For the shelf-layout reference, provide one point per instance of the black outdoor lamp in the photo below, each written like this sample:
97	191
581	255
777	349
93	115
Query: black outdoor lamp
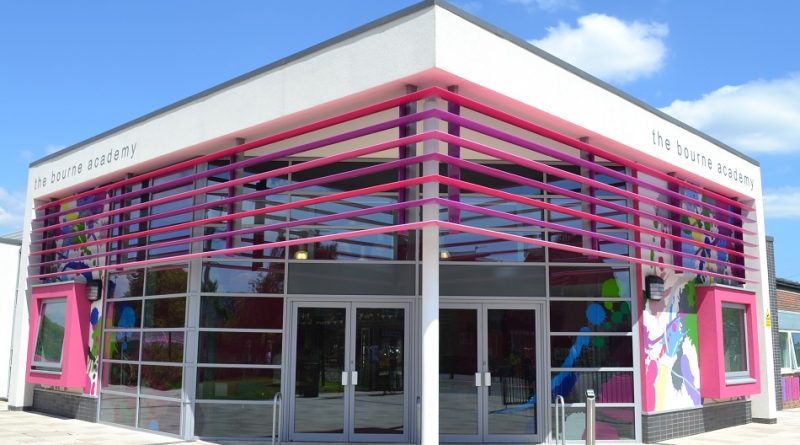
654	286
94	289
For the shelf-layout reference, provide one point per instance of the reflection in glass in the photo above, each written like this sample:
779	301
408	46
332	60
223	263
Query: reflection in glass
165	313
611	423
319	394
163	346
610	387
570	239
124	314
256	348
118	409
232	420
464	246
243	277
166	280
458	362
121	377
733	338
572	351
512	398
382	246
241	312
160	415
50	336
122	345
238	383
126	284
379	348
592	316
590	282
165	381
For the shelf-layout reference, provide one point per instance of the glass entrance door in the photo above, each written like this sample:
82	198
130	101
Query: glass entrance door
350	374
489	366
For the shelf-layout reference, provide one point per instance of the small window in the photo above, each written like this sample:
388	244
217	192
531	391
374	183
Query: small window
734	337
50	335
790	351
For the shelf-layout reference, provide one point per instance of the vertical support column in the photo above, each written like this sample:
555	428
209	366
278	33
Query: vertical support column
454	150
430	293
230	224
406	151
677	246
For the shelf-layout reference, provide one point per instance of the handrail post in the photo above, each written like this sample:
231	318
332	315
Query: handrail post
561	431
590	417
276	409
419	420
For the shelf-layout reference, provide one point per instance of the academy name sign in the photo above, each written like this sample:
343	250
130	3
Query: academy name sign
704	160
94	165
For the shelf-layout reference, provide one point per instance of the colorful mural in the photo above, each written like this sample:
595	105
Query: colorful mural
82	258
671	377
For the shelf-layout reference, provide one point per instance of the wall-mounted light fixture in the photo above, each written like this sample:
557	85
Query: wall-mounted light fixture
301	255
444	255
94	289
654	286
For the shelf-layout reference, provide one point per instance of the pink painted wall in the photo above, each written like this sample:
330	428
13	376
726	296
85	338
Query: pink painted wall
712	358
76	336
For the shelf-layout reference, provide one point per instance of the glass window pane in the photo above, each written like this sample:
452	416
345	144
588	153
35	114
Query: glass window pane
610	387
126	284
465	246
796	342
590	351
124	314
611	423
241	312
118	409
164	381
240	348
50	337
122	345
165	346
121	377
382	246
590	282
351	279
592	316
786	350
733	338
492	280
238	383
167	280
165	313
232	420
243	277
586	242
160	415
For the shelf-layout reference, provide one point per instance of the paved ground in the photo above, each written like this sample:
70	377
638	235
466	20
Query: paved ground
38	429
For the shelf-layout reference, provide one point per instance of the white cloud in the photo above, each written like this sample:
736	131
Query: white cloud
546	5
26	155
12	210
782	202
609	48
758	116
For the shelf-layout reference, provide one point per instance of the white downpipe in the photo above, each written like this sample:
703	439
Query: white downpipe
430	294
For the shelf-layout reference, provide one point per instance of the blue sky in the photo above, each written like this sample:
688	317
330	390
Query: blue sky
70	70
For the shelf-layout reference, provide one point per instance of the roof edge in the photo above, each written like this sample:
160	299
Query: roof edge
794	285
382	21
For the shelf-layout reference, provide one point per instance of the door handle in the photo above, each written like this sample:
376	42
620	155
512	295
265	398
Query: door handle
487	379
344	378
354	380
477	379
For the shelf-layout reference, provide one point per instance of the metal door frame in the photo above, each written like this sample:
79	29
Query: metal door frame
351	305
539	307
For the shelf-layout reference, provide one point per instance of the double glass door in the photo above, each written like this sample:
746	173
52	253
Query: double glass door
489	357
349	372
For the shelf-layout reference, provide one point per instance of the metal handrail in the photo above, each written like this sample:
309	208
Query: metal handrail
276	409
419	419
561	421
590	417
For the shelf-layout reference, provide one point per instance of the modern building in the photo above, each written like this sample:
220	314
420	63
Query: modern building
9	258
424	230
788	292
